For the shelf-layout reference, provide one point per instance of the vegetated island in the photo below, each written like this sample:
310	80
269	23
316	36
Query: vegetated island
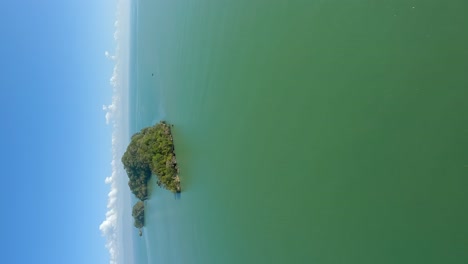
150	152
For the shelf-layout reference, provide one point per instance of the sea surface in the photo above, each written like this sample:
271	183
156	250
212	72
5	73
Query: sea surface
314	131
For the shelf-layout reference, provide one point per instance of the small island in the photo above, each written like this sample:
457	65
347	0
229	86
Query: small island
138	214
150	152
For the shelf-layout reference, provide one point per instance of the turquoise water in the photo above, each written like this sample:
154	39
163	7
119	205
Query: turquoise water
306	131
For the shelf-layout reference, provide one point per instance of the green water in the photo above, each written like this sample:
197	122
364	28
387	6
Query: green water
307	131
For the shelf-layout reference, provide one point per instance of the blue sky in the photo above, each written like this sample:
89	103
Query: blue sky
55	145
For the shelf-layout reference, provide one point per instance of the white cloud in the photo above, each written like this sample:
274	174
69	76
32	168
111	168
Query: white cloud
111	226
112	109
107	54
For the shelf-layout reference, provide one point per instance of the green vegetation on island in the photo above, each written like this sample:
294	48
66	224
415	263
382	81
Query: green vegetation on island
138	214
150	152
